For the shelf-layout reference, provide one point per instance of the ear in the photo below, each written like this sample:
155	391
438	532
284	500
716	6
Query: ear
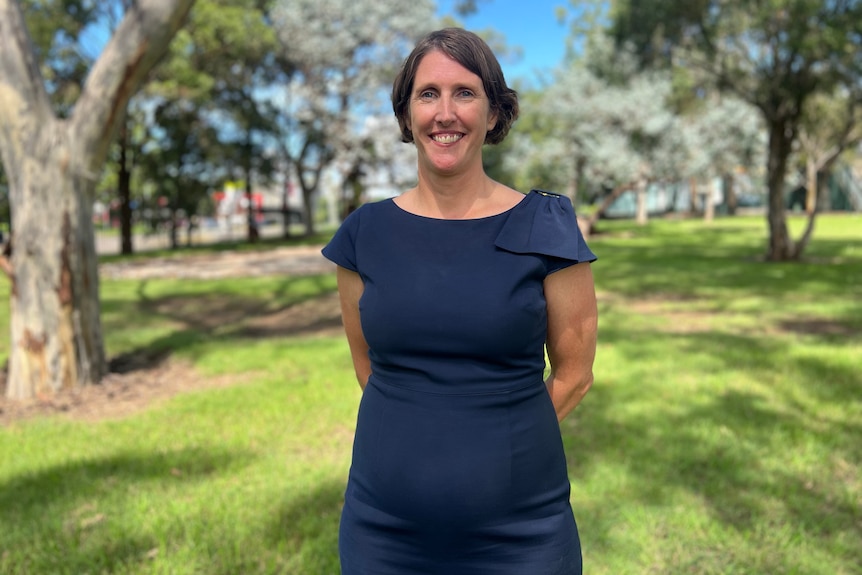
492	120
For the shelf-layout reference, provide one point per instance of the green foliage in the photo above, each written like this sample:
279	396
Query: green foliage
56	28
775	55
722	434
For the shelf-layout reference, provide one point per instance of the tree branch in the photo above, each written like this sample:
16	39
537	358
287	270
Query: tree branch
23	98
141	39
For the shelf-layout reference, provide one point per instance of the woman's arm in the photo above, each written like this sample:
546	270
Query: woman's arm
350	288
572	328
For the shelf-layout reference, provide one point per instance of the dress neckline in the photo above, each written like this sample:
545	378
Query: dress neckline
479	219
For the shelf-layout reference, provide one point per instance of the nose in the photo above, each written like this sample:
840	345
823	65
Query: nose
445	110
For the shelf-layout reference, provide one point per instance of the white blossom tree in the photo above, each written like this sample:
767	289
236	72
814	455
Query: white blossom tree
343	56
725	136
616	134
605	123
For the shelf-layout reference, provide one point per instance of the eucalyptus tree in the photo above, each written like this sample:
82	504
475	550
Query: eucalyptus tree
52	162
775	55
342	56
67	37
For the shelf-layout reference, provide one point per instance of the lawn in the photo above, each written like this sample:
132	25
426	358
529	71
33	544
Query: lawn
723	434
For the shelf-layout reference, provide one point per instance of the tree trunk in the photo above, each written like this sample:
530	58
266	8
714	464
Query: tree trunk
251	220
810	186
253	232
780	247
641	191
607	203
708	205
309	179
52	166
308	209
730	198
285	212
124	189
692	196
577	178
56	339
173	226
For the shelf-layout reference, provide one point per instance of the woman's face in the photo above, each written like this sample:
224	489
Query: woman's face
449	115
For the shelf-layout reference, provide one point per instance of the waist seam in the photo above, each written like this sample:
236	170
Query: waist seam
377	380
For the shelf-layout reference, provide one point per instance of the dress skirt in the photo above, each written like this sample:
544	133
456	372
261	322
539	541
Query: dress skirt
458	485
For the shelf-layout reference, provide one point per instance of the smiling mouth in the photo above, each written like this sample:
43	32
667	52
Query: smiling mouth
447	138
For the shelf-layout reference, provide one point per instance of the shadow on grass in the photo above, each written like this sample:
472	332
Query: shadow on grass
72	509
734	450
295	307
309	524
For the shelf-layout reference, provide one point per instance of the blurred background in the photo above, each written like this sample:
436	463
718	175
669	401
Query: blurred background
273	118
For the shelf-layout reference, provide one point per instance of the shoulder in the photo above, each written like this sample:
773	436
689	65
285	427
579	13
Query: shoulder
367	212
545	223
342	248
553	209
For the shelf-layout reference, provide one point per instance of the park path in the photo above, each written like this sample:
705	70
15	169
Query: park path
287	261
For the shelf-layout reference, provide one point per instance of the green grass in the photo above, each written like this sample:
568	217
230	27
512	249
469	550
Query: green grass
723	434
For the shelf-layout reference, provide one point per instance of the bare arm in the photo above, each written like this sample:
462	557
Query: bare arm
350	288
572	332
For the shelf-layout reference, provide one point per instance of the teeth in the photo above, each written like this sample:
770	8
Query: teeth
447	138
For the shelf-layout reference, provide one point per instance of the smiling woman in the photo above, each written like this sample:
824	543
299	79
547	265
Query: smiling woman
449	294
449	116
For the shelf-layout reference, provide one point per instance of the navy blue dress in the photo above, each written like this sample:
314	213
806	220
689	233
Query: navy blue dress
458	465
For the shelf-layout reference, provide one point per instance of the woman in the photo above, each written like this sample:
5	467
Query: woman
449	293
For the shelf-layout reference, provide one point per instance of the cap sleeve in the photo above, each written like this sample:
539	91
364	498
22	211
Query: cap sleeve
547	225
341	249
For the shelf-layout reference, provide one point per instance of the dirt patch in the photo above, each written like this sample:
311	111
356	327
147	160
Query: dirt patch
317	316
121	393
820	327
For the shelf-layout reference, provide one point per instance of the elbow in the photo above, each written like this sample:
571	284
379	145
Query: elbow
584	385
587	383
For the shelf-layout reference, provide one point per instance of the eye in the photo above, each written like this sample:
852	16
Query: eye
426	94
465	93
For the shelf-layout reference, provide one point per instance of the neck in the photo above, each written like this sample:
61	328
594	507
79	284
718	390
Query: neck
456	196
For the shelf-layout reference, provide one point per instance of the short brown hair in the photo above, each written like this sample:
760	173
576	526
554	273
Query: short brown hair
473	53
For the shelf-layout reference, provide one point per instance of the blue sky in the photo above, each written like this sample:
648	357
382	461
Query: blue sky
530	24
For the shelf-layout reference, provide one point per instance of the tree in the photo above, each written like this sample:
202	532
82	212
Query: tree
831	125
52	164
775	55
603	127
341	71
724	135
222	67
